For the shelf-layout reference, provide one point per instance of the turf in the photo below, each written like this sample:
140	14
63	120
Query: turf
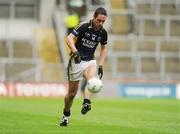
108	116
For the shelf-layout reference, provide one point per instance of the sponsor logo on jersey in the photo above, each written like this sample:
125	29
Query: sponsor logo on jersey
88	43
87	34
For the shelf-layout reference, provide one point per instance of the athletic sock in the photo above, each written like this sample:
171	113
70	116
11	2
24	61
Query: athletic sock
86	101
66	113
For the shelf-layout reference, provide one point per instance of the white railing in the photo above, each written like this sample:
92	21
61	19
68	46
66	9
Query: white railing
136	61
133	39
4	62
60	28
156	1
32	73
166	18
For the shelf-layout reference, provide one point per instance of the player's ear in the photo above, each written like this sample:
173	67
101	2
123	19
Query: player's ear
94	16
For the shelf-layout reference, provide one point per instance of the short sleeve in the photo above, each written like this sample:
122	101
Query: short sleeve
78	29
104	38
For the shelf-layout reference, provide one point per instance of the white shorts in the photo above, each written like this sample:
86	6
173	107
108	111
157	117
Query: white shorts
75	71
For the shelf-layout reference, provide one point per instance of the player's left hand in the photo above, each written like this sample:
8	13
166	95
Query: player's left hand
100	71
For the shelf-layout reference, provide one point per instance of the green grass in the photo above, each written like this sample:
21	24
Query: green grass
108	116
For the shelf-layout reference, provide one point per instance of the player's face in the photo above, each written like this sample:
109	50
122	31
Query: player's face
99	21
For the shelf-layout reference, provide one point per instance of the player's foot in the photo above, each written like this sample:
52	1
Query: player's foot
64	121
86	106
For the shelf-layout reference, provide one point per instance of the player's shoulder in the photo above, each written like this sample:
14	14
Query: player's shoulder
103	30
83	24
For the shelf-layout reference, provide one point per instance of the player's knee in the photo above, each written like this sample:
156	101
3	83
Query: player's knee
72	95
90	76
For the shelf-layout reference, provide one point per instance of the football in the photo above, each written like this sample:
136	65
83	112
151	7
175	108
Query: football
94	85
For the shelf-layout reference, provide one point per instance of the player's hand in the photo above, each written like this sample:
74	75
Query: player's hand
77	57
100	71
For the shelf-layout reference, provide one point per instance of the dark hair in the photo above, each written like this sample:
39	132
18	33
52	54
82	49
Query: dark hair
100	10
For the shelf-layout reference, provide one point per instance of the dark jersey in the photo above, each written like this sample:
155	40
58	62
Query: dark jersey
88	39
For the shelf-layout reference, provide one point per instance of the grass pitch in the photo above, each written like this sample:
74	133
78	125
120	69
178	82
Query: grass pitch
108	116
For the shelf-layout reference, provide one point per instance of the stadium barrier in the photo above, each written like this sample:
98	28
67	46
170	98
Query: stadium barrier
33	89
147	90
178	91
110	89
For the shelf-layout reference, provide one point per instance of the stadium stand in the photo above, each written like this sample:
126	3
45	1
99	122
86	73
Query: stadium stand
174	30
118	4
155	34
125	65
49	54
47	45
146	46
120	22
143	39
22	49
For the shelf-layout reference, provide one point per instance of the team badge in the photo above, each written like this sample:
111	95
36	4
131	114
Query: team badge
87	34
93	36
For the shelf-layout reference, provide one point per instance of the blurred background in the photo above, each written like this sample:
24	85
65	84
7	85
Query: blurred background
143	46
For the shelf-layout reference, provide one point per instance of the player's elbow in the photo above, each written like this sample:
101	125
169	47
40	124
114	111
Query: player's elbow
69	39
104	49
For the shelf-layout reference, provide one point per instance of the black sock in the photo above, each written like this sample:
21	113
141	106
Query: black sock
66	113
86	101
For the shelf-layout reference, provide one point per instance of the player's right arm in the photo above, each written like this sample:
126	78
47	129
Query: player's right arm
73	35
71	42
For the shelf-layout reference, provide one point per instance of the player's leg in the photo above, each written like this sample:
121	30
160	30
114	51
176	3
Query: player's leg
73	87
89	73
82	86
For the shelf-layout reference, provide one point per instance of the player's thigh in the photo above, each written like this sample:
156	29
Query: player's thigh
90	71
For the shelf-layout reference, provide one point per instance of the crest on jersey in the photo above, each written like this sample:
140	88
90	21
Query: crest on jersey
87	34
93	36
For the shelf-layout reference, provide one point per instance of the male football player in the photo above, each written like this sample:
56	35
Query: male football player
82	42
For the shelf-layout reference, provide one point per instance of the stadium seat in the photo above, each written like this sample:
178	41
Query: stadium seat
121	46
150	65
118	4
175	31
14	69
126	65
23	49
146	46
3	50
170	47
52	72
120	24
151	28
108	65
144	9
47	45
168	9
172	65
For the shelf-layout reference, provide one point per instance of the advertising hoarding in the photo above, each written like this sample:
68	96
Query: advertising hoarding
147	90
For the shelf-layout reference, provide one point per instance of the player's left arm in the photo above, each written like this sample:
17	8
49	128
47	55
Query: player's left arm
103	49
103	53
